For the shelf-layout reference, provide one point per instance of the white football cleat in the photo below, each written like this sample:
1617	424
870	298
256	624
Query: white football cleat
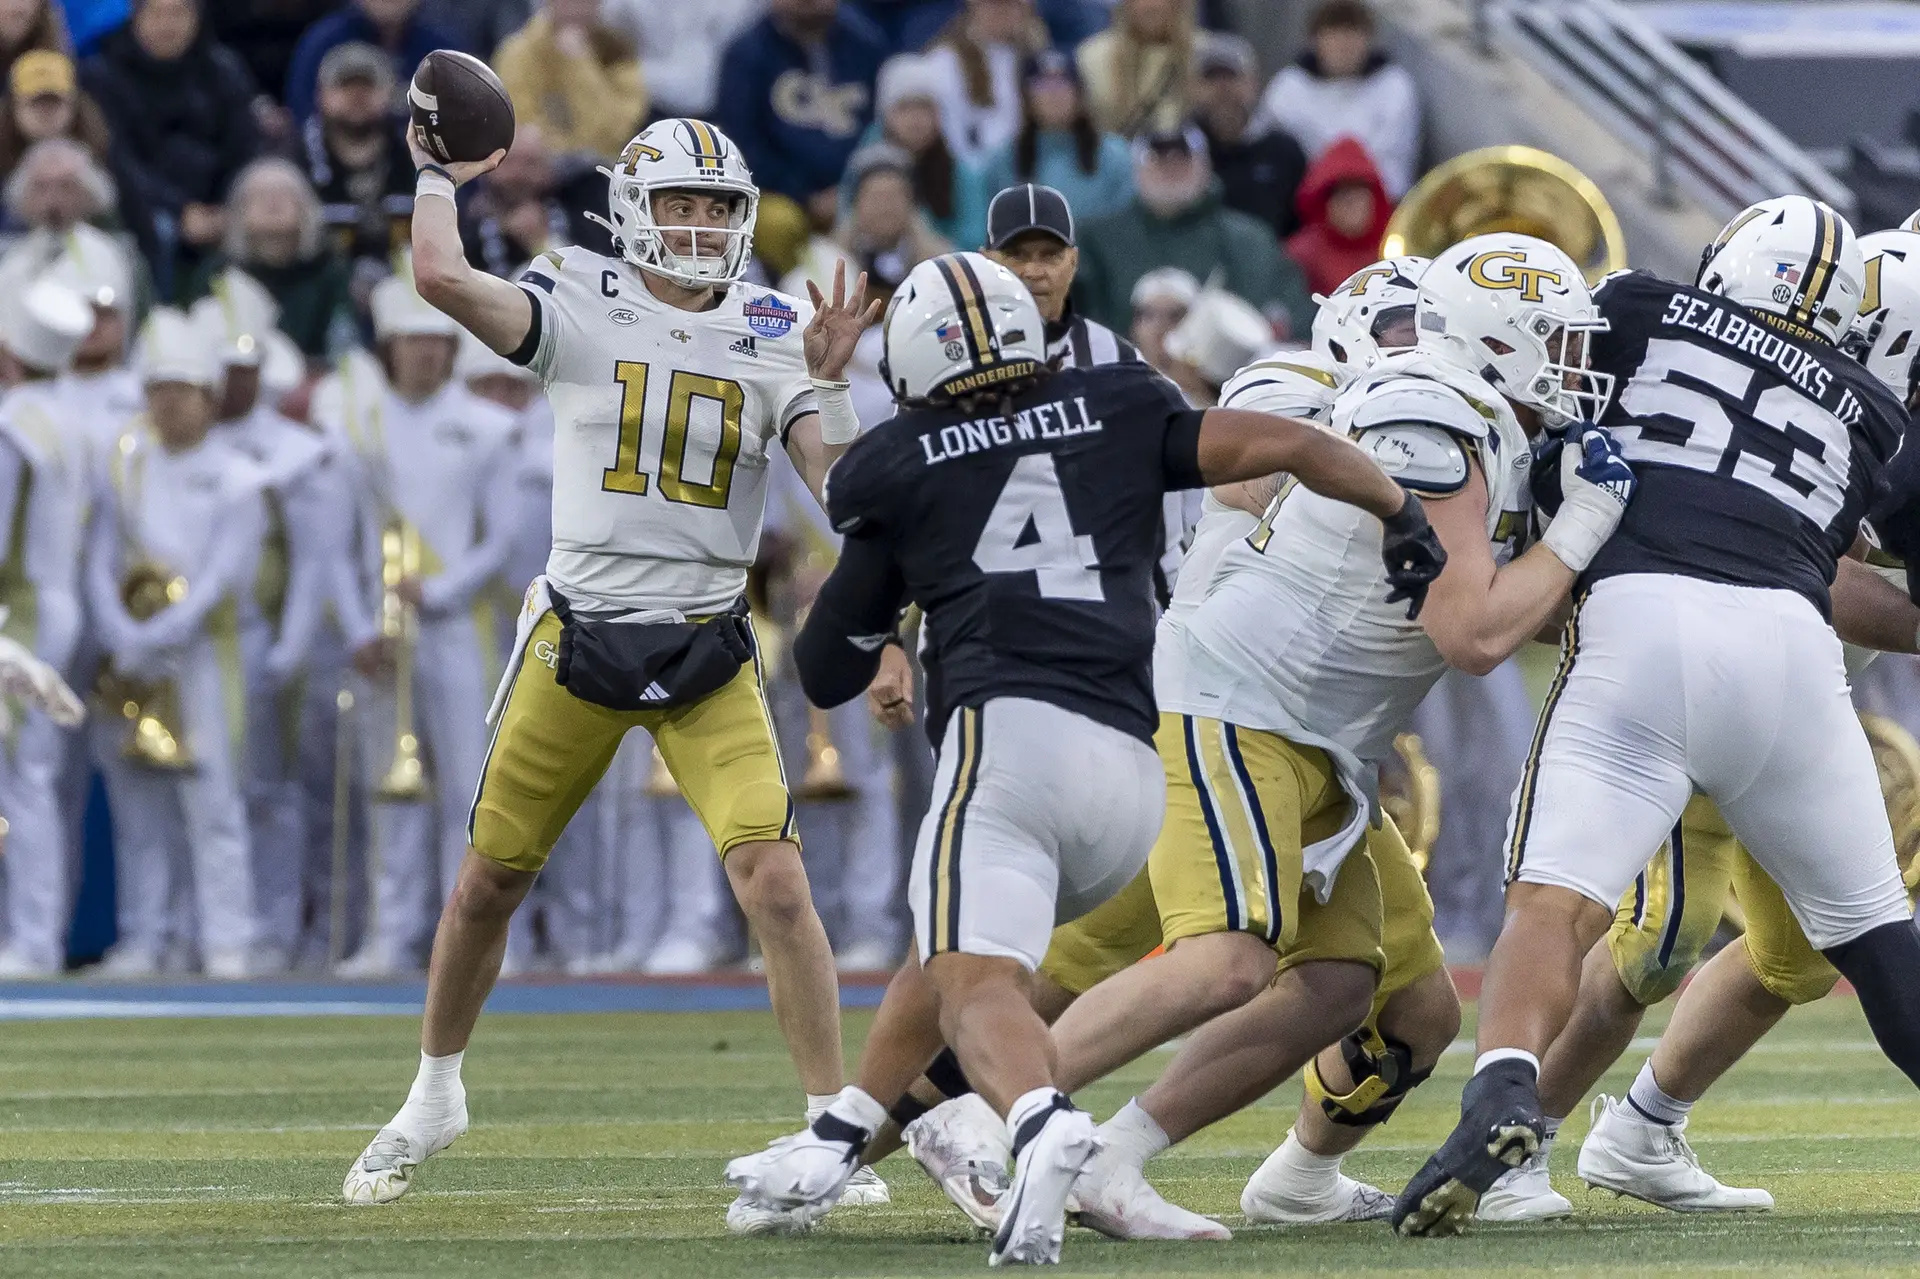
1526	1193
384	1170
802	1174
1652	1162
1033	1220
963	1146
865	1190
1273	1198
748	1219
1113	1197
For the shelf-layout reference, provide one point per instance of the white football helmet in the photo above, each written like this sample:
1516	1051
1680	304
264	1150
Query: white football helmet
1517	312
1790	256
959	323
680	155
1351	319
1912	223
1886	337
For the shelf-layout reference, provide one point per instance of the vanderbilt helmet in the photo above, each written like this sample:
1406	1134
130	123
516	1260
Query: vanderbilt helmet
680	155
1793	257
1368	304
1886	336
959	323
1516	311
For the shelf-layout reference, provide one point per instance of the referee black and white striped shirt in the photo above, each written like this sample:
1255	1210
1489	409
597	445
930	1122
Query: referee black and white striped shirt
1075	342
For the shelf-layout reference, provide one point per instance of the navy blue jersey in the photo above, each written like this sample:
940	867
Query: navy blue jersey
1028	538
1757	448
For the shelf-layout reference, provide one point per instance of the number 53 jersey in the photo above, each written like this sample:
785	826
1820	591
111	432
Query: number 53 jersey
1757	447
1028	533
663	420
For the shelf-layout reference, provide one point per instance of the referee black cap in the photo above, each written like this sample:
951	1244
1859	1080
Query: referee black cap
1028	207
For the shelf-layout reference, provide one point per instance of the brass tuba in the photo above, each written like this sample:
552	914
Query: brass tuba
1410	792
405	780
825	777
1509	188
155	736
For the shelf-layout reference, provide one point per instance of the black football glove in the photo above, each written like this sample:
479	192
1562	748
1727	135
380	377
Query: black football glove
1413	555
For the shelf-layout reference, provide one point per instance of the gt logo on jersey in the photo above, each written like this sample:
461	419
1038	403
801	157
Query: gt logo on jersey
1508	269
545	651
636	152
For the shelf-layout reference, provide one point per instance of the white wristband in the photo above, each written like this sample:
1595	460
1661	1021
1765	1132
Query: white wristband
433	182
1585	522
839	424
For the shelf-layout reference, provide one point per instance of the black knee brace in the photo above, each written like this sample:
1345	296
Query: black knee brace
1884	966
1383	1075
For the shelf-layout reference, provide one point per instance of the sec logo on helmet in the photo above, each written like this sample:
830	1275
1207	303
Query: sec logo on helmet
1508	269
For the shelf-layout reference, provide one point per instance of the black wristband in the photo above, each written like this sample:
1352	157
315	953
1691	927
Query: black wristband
431	167
894	638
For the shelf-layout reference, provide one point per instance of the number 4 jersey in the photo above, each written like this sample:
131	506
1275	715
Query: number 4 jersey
1028	535
1756	449
663	420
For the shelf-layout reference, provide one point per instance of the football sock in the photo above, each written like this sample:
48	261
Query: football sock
1881	963
1653	1105
850	1115
1494	1056
437	1092
817	1103
1305	1174
1133	1134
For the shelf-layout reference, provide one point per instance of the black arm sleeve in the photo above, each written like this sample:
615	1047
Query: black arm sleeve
838	650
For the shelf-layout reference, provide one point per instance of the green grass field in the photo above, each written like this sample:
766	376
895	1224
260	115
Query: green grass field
216	1147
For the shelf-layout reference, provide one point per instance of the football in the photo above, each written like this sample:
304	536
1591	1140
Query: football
461	111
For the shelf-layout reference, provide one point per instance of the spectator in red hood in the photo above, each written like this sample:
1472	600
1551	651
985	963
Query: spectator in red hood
1343	213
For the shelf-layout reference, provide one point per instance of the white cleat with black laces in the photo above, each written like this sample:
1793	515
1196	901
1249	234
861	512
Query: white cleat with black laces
384	1170
1653	1162
1033	1219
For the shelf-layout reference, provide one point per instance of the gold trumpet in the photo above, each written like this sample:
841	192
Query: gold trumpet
406	777
1410	792
155	738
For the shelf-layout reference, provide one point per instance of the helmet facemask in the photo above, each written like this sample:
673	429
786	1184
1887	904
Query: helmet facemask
642	241
1566	388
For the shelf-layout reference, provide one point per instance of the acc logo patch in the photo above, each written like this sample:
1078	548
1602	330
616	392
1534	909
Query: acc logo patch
1529	280
623	315
769	317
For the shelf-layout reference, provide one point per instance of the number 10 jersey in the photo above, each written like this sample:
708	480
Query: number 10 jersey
663	422
1756	446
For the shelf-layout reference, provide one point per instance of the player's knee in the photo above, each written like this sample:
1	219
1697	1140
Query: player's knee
1239	967
1424	1016
771	885
1382	1072
1801	980
487	891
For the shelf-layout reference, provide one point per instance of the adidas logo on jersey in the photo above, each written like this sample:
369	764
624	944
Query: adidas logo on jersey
745	346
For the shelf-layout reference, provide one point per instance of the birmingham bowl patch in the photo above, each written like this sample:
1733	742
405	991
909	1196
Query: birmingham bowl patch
769	317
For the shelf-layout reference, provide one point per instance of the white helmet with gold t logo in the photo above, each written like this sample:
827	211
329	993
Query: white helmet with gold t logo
1516	311
681	155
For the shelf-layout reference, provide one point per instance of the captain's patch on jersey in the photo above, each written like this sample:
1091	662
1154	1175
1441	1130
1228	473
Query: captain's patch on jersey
769	317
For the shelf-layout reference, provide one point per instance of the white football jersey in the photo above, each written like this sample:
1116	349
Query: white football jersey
663	420
1298	384
1295	635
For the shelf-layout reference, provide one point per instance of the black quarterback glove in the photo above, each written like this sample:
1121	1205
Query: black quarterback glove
1413	555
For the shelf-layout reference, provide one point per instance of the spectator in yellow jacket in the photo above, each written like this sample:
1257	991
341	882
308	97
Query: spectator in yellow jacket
575	77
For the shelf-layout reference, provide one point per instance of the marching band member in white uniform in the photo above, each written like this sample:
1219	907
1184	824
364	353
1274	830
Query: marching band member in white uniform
307	513
431	455
44	478
189	508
